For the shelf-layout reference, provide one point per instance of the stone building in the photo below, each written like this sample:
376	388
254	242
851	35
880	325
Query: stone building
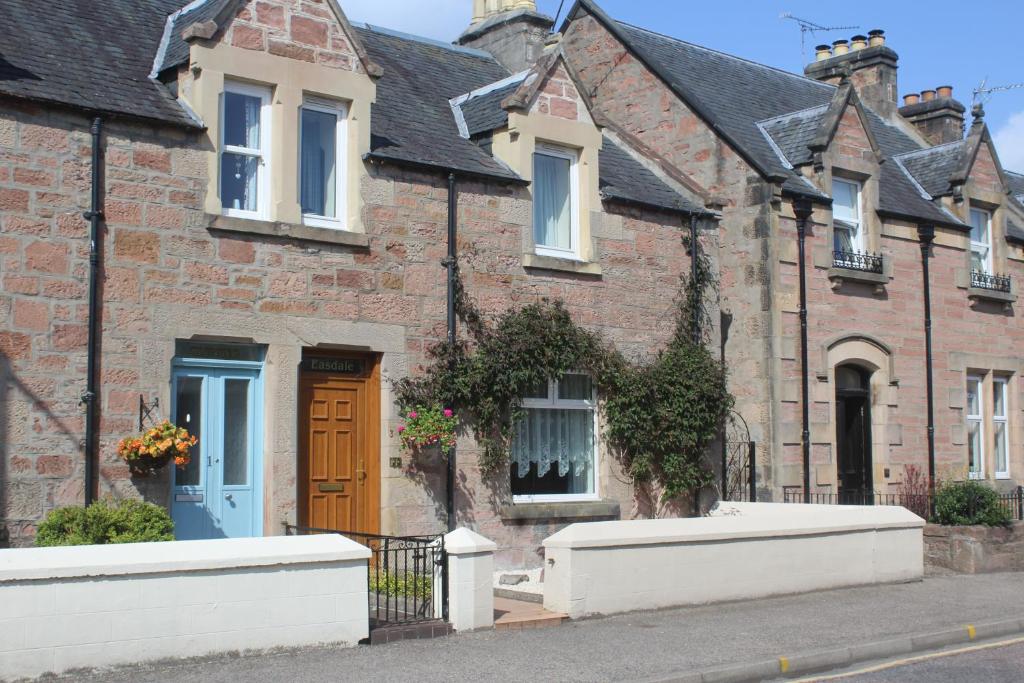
274	183
870	184
275	186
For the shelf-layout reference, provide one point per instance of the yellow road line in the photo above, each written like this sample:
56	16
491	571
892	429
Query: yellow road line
783	664
913	660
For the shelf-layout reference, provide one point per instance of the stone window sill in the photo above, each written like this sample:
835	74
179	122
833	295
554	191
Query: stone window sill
293	231
840	275
545	511
976	294
565	265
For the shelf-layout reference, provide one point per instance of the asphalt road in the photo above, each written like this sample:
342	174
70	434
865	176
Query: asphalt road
627	647
997	664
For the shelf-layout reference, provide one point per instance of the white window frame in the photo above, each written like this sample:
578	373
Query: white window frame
858	241
340	110
551	402
1001	384
987	246
978	417
263	168
573	252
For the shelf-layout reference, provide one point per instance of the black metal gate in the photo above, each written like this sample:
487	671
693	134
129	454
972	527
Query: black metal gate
407	576
739	462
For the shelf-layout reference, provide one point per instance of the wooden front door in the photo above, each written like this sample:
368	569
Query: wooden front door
339	445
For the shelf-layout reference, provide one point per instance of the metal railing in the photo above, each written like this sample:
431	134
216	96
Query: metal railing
407	576
856	260
997	283
921	504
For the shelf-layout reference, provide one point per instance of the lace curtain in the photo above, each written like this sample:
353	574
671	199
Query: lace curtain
551	195
559	440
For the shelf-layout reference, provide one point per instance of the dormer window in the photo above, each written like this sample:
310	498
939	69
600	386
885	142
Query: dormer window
245	147
556	202
847	231
981	241
321	163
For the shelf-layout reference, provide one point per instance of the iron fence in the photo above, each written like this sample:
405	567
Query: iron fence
407	576
998	283
921	504
856	260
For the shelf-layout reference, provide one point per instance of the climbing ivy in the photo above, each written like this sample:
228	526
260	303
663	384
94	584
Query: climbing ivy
659	415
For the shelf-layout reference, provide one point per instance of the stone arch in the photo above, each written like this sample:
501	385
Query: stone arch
862	348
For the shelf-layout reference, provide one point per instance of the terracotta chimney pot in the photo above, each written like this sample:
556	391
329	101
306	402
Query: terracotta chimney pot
858	42
927	95
822	52
944	91
876	37
840	47
912	98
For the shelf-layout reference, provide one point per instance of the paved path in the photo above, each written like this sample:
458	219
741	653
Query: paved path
997	664
637	646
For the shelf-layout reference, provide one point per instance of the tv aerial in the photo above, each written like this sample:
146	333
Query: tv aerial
983	93
807	26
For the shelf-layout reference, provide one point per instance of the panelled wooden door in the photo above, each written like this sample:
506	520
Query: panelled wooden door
340	452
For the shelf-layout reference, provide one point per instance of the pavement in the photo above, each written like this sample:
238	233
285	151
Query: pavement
998	662
726	641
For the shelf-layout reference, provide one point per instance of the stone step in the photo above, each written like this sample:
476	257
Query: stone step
515	615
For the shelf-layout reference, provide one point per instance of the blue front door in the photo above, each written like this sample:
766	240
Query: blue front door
219	493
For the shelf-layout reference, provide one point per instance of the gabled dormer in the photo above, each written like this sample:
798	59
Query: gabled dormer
284	91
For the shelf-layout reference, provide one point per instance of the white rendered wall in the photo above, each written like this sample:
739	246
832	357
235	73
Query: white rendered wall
97	606
745	550
470	577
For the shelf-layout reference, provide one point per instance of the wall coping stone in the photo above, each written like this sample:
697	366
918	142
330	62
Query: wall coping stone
730	521
308	233
568	510
465	541
88	561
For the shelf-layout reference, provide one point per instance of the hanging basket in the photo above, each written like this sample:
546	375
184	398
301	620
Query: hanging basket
151	451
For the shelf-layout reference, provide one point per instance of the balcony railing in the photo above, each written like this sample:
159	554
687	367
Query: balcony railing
856	260
997	283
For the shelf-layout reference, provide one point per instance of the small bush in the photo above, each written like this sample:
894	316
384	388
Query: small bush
967	503
125	521
394	584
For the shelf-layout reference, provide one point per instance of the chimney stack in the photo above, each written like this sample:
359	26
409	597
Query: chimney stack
935	114
871	66
511	30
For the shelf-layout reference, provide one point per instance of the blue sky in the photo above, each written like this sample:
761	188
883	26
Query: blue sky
949	43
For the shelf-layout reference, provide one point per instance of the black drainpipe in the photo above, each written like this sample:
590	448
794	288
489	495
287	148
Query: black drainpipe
803	209
695	322
926	235
94	215
450	264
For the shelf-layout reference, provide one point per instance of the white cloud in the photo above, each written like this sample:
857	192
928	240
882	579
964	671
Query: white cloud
438	19
1009	141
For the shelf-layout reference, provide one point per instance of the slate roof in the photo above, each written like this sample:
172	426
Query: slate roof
625	179
88	55
176	50
484	112
1014	233
1016	181
933	167
412	119
734	94
792	133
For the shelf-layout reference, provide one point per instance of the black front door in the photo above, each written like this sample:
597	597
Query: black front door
853	436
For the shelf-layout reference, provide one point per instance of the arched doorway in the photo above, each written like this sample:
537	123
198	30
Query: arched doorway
853	434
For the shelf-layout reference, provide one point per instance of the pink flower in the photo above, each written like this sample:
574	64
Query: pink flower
448	412
413	415
401	428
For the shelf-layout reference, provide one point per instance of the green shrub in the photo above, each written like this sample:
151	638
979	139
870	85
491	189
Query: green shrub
969	502
125	521
394	584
